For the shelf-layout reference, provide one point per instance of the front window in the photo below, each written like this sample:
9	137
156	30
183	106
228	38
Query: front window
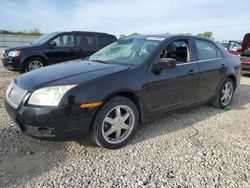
44	38
178	50
131	51
66	40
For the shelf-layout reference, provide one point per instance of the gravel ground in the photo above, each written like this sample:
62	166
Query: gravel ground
197	147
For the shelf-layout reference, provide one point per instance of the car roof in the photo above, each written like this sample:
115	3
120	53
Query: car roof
83	32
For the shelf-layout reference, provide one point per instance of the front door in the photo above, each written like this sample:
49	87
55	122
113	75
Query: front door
64	49
174	87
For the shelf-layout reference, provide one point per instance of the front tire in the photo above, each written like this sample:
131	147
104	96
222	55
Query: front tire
225	95
34	64
115	123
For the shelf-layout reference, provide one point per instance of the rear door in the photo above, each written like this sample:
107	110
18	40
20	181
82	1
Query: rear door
175	87
212	68
64	49
86	44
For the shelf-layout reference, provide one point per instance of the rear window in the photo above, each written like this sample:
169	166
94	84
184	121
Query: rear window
105	40
86	40
207	50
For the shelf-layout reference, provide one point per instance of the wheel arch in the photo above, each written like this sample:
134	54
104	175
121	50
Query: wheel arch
230	76
24	60
233	78
125	93
130	95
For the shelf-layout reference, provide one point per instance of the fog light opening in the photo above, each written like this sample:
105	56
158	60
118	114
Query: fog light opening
44	131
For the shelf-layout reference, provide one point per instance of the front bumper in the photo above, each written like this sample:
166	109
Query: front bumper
52	123
12	63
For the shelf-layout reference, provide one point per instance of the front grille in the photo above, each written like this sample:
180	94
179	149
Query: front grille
14	95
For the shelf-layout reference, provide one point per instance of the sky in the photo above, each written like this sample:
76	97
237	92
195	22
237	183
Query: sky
227	19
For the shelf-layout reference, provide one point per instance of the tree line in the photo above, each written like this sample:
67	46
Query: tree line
33	32
37	32
207	34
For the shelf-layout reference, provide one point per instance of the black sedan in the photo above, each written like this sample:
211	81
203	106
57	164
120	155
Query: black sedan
121	86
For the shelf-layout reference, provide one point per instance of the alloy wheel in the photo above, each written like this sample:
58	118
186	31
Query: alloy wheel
118	124
35	64
227	93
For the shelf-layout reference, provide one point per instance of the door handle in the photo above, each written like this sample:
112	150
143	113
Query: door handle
191	72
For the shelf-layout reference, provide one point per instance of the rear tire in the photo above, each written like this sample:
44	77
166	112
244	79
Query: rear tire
115	123
34	64
225	94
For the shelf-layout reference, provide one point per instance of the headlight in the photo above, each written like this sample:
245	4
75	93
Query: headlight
15	53
49	96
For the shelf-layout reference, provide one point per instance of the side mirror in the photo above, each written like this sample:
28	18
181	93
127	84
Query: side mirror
52	44
166	63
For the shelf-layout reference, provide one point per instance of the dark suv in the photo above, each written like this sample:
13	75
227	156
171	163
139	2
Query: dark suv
55	48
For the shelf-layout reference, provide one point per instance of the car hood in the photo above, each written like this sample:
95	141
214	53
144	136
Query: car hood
19	47
74	72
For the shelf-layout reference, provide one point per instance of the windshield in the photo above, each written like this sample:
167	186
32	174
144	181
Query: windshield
131	51
44	38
